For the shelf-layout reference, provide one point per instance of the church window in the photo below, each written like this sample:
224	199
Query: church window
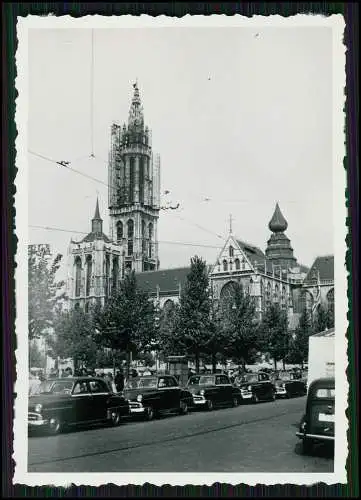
237	264
131	180
130	236
77	306
243	264
231	251
283	297
141	180
150	236
331	300
88	274
77	276
119	230
143	238
107	269
225	265
87	307
115	272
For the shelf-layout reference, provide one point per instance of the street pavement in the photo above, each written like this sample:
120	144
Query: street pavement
250	438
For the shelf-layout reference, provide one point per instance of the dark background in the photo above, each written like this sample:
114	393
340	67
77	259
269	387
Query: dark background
9	13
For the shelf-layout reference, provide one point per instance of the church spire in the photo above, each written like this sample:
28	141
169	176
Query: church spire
97	222
136	117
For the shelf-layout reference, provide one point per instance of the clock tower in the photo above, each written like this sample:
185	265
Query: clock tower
134	190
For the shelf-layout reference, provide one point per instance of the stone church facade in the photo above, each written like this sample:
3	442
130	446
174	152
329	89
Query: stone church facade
97	263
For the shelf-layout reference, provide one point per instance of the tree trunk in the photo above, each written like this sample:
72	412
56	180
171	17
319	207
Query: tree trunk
197	362
243	361
214	363
275	363
113	353
284	364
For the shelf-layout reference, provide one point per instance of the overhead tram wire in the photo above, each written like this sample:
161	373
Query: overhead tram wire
92	96
67	164
180	243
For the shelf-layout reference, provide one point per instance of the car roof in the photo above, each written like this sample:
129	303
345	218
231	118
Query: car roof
324	381
73	379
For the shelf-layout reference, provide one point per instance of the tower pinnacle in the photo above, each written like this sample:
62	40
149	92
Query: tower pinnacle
136	117
97	221
278	223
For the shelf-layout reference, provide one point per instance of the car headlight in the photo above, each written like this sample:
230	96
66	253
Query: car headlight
38	408
249	388
201	392
139	398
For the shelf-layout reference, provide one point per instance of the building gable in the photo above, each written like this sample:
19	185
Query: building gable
232	257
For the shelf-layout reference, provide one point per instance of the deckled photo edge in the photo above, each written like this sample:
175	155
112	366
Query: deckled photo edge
20	429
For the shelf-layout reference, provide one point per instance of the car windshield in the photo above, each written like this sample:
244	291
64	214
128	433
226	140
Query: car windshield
142	383
284	376
325	393
201	380
58	387
250	377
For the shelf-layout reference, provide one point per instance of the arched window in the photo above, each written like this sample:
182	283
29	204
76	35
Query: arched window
283	297
331	300
262	295
168	306
243	264
308	300
150	237
144	243
77	306
130	233
237	264
87	307
119	231
115	272
131	179
231	251
276	294
107	272
225	265
77	276
268	293
228	291
89	266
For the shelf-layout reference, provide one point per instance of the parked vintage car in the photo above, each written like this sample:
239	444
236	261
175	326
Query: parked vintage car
72	401
150	396
318	422
288	384
256	387
209	391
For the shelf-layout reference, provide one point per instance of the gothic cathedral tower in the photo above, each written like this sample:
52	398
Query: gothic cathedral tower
134	190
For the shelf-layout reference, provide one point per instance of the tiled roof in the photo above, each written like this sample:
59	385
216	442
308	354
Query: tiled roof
167	279
255	255
324	266
96	236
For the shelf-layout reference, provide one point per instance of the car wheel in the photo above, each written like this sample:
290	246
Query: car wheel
273	396
149	413
209	405
183	408
115	418
235	402
255	398
55	426
307	446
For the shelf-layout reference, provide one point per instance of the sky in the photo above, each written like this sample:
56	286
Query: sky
241	118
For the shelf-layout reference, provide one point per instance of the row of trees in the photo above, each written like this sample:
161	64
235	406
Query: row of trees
130	327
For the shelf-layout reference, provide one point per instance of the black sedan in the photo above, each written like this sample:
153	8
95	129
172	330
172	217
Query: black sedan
256	387
289	384
72	401
209	391
150	396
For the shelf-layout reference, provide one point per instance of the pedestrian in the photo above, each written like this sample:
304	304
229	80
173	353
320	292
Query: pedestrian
34	383
110	382
134	373
119	380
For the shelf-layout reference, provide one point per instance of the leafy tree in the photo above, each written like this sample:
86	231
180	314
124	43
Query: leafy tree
192	329
299	345
44	290
240	327
126	322
36	357
73	338
323	319
166	331
274	328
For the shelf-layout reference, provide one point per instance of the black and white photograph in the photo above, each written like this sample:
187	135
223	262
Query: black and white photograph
181	284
